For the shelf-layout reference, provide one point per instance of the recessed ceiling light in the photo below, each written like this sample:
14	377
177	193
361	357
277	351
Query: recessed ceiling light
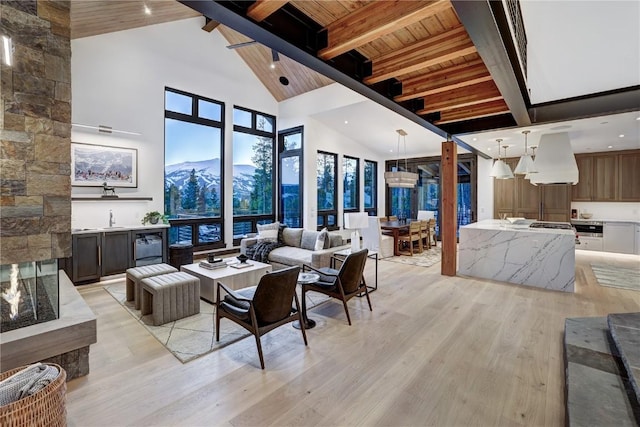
475	139
272	66
488	148
609	146
391	150
147	10
621	135
346	122
637	118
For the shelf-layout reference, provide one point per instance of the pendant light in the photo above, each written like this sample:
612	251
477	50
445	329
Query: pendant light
533	157
500	169
397	178
525	164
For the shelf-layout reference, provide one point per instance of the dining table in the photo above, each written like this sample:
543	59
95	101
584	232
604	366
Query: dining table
396	228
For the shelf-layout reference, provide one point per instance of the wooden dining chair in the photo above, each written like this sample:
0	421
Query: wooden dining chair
413	237
393	218
424	234
433	242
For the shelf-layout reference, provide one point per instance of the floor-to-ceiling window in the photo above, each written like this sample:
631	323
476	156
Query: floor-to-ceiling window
253	174
291	176
193	172
371	187
351	184
327	190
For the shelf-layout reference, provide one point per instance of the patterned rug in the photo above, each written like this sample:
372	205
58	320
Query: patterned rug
617	277
194	336
424	259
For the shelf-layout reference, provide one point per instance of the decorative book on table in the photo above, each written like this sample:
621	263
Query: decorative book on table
212	266
240	265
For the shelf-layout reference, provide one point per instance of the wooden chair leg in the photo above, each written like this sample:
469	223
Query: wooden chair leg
304	333
257	335
346	310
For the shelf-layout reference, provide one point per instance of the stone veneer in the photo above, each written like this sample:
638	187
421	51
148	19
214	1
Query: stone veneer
35	137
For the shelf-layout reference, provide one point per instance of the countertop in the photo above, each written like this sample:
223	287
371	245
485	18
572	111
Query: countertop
626	221
116	228
499	225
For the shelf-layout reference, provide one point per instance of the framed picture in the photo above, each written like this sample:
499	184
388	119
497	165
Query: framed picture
93	165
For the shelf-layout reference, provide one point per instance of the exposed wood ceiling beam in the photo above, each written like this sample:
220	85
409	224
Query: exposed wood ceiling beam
473	112
461	97
480	23
375	20
444	80
250	29
210	25
435	50
261	9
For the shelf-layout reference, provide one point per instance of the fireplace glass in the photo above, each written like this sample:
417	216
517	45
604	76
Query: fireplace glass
29	294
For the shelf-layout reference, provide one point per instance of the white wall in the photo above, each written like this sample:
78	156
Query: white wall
609	210
485	189
118	79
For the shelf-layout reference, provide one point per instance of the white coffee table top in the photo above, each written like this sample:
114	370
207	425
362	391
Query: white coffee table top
221	272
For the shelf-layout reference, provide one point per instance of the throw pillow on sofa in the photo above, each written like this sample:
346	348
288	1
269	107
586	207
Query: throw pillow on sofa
308	240
268	232
322	240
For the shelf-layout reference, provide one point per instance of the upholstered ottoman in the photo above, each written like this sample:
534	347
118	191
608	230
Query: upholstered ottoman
136	274
170	297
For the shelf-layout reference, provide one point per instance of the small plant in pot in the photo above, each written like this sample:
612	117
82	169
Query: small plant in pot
153	217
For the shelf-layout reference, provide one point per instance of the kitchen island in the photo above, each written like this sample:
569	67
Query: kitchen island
497	250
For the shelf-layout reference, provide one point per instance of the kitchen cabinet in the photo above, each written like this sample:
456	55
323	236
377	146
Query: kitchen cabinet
116	254
517	197
86	260
619	237
608	177
629	177
590	243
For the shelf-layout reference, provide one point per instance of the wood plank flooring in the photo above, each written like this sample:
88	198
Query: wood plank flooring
436	350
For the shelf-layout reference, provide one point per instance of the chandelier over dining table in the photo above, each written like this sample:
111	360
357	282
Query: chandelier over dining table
398	178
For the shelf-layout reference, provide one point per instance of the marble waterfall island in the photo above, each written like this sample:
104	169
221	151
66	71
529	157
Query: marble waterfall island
539	257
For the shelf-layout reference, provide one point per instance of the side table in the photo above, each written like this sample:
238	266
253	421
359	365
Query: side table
303	279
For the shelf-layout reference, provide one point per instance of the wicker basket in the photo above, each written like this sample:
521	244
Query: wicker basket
44	408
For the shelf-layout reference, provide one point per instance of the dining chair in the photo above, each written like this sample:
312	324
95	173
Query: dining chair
263	308
424	234
411	238
393	217
375	240
433	242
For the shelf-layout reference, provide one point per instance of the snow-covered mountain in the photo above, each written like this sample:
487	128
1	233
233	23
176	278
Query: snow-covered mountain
208	175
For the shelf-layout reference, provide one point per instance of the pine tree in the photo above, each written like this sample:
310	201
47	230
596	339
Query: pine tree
190	192
260	199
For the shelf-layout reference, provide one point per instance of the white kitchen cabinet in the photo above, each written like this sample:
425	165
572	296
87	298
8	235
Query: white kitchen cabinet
619	237
590	244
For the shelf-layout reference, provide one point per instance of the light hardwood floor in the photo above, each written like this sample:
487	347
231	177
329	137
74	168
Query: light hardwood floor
444	351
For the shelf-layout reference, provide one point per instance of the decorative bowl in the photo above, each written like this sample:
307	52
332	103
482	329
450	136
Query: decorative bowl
242	258
586	215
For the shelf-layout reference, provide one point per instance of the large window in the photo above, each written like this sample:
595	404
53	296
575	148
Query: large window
351	184
253	173
194	126
371	187
290	149
327	190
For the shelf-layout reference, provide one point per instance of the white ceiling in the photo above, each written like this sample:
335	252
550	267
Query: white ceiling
576	48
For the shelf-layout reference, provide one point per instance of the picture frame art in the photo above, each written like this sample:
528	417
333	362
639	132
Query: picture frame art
93	165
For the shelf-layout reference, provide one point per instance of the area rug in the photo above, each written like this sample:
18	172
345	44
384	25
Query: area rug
425	259
194	336
617	277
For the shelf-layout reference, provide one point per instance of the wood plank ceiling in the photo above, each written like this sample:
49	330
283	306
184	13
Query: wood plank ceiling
418	46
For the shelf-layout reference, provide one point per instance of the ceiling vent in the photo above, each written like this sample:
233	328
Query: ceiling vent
555	161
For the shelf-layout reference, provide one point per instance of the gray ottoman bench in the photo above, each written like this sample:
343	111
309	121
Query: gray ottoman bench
136	274
170	297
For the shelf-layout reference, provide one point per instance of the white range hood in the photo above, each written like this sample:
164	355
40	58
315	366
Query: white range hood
555	161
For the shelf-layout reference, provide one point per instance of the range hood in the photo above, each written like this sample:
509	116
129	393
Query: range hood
555	161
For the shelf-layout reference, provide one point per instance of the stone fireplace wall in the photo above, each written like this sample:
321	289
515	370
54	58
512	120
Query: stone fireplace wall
35	137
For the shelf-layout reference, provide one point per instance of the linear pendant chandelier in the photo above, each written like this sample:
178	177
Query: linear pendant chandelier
397	178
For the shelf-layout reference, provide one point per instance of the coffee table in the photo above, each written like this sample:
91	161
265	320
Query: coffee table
231	277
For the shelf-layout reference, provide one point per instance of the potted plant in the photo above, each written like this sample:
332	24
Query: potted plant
153	217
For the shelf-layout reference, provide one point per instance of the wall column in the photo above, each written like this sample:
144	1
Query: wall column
449	207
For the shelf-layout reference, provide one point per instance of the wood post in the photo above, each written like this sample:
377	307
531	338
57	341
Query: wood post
449	207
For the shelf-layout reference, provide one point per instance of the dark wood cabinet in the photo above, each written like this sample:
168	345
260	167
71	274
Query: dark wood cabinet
86	257
116	252
629	177
583	190
517	197
605	177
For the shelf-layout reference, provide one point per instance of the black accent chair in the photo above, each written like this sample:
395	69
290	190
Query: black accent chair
264	307
342	284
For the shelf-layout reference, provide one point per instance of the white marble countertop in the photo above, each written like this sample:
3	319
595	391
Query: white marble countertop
116	228
627	221
499	225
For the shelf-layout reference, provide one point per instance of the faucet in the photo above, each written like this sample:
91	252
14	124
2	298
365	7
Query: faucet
111	218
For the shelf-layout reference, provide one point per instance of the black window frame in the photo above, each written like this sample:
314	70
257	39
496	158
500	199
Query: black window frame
373	210
195	222
282	154
254	220
322	219
357	175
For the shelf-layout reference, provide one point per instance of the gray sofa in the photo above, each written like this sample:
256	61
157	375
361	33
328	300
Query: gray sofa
299	249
